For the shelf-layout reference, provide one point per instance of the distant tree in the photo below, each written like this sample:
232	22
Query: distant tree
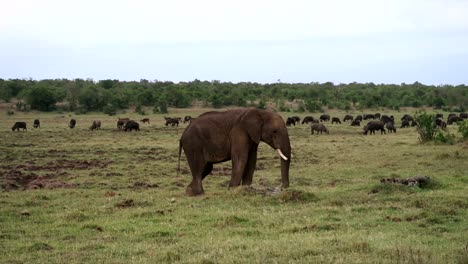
41	98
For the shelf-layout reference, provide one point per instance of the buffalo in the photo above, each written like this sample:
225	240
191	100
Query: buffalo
440	123
72	123
390	127
356	122
324	118
308	119
368	116
19	125
336	120
187	119
37	123
454	119
359	117
145	120
173	121
319	127
407	118
373	126
290	121
131	125
405	123
95	125
348	117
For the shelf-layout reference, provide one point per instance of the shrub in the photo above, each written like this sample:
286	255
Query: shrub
109	110
425	127
463	128
140	110
445	138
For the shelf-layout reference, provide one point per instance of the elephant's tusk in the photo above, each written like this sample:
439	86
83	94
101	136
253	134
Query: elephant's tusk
280	153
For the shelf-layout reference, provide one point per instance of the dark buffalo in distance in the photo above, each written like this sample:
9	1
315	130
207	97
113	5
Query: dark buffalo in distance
37	123
336	120
405	123
324	118
296	119
439	116
454	119
290	121
120	124
308	119
348	117
356	122
187	119
173	121
373	126
390	127
386	119
19	125
377	116
440	123
145	120
72	123
450	115
95	125
319	127
414	123
407	118
368	116
131	125
359	117
464	115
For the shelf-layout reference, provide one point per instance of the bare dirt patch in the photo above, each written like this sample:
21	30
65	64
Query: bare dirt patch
17	180
63	164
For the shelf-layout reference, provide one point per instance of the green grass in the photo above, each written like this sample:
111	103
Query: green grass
115	197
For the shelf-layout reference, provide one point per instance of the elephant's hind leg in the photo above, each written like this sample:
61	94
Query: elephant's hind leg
207	170
197	167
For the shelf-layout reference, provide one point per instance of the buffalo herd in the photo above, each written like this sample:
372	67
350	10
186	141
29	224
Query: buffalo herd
377	122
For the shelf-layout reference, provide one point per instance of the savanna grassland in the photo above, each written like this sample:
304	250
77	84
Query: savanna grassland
81	196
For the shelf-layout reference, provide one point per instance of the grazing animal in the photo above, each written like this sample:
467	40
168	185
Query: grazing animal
407	118
145	120
348	117
439	116
373	126
450	115
308	119
319	127
377	116
390	127
454	119
120	124
215	137
359	117
405	123
296	119
290	121
173	121
440	123
464	115
368	116
95	125
324	118
187	119
414	123
131	125
37	123
356	122
336	120
72	123
19	125
386	119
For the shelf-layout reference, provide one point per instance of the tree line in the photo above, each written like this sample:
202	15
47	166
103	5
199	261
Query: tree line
112	95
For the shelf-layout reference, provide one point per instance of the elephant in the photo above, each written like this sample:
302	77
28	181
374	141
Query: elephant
19	125
37	123
216	137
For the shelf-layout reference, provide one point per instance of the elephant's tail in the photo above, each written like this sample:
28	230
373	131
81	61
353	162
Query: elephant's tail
178	162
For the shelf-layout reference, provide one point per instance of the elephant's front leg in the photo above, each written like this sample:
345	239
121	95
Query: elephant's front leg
250	168
239	155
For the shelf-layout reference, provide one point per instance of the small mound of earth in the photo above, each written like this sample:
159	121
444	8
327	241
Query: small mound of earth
416	181
16	180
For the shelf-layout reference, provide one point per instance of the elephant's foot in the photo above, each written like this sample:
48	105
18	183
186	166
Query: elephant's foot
194	189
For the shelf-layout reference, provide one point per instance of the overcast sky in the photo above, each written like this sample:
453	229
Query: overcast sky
340	41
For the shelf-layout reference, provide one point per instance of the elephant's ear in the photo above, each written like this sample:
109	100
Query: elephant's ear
252	122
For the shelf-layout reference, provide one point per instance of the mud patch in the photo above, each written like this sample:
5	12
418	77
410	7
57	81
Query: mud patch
143	185
63	164
17	180
125	204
